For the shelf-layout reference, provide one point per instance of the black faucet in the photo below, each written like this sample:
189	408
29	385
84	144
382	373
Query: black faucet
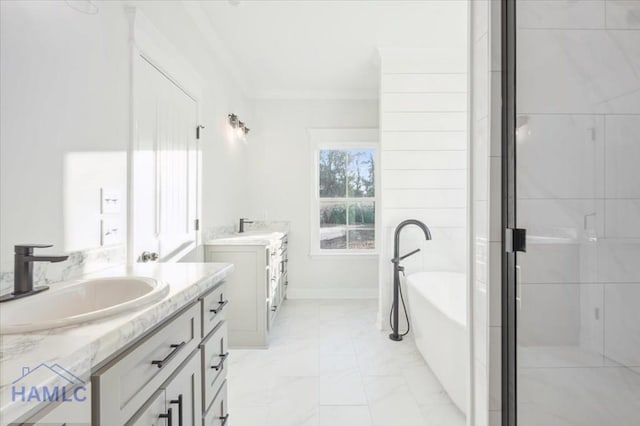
397	268
243	222
23	270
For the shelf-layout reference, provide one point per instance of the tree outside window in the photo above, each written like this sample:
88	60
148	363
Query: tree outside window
347	199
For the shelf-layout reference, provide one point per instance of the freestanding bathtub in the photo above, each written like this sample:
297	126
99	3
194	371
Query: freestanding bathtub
438	311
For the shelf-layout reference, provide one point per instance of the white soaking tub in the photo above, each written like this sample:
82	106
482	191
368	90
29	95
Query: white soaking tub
438	309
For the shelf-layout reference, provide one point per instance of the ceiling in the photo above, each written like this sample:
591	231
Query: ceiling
321	48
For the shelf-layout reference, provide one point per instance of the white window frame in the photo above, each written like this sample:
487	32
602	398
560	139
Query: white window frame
341	139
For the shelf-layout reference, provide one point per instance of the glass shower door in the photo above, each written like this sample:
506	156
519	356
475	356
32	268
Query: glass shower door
577	145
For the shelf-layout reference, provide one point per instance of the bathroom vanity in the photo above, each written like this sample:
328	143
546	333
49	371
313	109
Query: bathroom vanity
164	361
184	380
257	288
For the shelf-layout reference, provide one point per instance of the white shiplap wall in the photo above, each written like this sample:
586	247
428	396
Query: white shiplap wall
423	142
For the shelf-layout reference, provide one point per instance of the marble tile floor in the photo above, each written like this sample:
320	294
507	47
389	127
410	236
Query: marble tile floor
328	365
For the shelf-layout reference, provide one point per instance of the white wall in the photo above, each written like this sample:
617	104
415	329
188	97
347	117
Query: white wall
64	111
423	115
65	119
280	173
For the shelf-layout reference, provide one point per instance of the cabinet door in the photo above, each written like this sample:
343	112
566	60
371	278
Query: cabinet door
248	292
183	394
218	413
153	413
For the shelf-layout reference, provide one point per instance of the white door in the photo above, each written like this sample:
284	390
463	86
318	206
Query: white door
164	166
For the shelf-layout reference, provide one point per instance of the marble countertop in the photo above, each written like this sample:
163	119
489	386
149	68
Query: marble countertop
79	349
250	238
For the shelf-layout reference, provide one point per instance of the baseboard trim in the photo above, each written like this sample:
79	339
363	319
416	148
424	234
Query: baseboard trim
332	293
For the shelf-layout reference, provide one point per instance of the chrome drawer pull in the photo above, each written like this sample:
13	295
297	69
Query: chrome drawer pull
224	419
167	416
174	352
221	363
221	306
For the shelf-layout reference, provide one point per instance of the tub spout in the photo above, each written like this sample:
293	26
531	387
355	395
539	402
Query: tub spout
401	226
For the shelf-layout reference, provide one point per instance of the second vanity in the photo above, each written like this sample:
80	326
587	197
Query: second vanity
162	364
258	287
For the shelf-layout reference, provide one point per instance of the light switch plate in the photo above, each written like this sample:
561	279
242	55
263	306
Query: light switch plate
110	201
110	231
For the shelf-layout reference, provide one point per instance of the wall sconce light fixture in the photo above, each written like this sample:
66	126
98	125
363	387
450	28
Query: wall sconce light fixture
240	126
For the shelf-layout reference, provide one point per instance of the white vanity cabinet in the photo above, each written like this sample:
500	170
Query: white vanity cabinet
173	375
256	289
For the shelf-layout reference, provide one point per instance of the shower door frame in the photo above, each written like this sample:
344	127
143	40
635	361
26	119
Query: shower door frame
509	284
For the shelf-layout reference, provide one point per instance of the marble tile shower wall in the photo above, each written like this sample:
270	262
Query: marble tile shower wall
79	263
579	196
485	188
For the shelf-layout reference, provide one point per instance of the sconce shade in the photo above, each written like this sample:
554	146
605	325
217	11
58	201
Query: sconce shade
233	121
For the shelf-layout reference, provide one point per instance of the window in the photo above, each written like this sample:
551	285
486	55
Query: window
346	203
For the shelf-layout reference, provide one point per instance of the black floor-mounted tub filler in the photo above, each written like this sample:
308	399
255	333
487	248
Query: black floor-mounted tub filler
397	268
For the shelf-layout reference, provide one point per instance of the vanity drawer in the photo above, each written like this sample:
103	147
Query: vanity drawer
214	308
214	363
123	386
152	412
61	414
218	414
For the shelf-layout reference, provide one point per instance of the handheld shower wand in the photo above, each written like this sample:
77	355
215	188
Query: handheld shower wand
397	268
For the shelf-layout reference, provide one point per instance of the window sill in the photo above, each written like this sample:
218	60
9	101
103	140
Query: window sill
319	255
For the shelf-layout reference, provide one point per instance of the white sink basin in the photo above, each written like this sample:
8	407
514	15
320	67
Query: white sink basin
79	301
